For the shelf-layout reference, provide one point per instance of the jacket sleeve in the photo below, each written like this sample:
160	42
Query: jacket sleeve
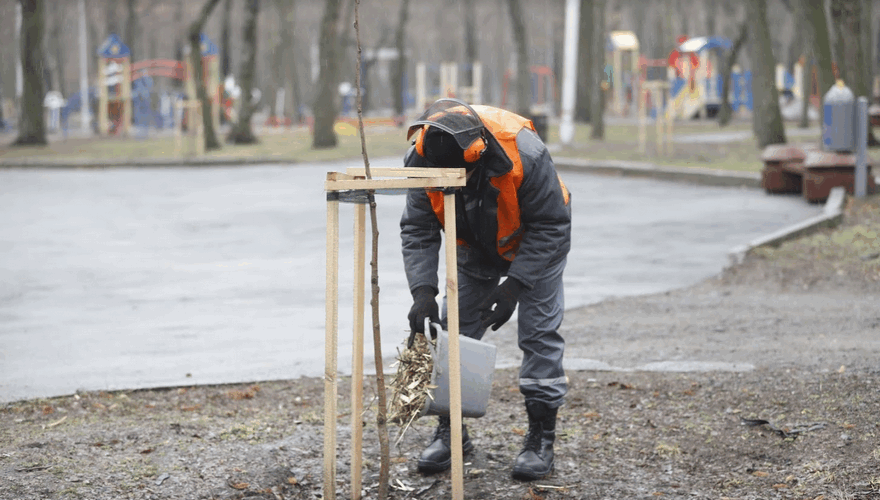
545	212
420	234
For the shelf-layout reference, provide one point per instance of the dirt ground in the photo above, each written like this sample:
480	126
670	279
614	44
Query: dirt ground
800	419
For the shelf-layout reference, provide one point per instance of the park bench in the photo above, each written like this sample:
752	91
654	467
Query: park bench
809	171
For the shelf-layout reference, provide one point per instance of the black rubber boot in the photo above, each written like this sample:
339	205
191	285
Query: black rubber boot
437	457
536	458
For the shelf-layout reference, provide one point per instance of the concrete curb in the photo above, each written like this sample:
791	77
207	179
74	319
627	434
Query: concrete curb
698	175
831	216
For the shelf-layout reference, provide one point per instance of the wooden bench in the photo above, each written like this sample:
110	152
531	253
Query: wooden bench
808	171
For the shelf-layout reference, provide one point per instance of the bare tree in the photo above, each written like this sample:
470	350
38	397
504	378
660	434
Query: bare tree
820	43
766	116
289	59
726	112
31	124
470	41
242	132
194	33
326	107
597	106
523	72
225	43
585	63
132	29
400	67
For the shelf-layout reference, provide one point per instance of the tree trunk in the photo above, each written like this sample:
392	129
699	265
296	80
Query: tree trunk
766	117
470	41
131	29
326	107
289	59
400	68
31	124
726	112
195	54
597	106
241	131
225	44
820	42
585	63
523	72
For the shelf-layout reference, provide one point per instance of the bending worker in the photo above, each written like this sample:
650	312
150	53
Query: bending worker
513	220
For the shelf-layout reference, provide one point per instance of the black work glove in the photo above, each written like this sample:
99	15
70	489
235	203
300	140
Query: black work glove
424	307
499	305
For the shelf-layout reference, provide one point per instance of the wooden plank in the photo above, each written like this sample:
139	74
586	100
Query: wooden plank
424	182
330	349
406	172
357	355
454	354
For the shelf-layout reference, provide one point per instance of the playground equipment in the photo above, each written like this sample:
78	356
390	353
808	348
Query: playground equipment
117	78
114	69
543	90
448	84
697	87
658	92
623	45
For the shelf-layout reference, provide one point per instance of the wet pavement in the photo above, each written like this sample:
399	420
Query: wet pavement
134	278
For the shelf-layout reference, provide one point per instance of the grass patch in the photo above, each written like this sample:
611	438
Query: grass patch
294	145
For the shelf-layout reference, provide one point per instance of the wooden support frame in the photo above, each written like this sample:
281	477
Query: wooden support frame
354	186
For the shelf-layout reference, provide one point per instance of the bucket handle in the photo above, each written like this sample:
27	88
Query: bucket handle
428	326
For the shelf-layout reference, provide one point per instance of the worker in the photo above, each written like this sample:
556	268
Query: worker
513	221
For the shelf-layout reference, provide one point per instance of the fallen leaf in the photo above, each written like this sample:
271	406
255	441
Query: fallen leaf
760	473
147	451
592	414
190	408
841	369
239	486
292	480
780	486
48	409
398	460
518	431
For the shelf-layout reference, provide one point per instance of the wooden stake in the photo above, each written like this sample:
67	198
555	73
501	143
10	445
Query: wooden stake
357	351
330	349
454	354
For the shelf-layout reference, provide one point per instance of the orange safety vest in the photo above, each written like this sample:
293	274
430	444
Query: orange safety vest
504	126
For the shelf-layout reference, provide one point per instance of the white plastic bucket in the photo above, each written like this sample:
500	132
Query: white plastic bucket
477	368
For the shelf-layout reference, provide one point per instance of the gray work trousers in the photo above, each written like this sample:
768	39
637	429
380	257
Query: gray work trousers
539	315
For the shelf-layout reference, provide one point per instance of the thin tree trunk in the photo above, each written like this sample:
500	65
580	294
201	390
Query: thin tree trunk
597	106
225	43
523	72
195	30
382	410
241	131
820	42
585	64
470	41
326	108
131	29
400	68
289	59
766	117
31	123
726	112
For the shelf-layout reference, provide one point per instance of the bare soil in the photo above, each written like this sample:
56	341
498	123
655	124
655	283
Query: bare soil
800	418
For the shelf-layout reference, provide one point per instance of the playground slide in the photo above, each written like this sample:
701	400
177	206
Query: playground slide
687	104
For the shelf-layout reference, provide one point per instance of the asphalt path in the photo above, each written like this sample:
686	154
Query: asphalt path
134	278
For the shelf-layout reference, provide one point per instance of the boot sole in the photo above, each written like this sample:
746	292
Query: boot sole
434	467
